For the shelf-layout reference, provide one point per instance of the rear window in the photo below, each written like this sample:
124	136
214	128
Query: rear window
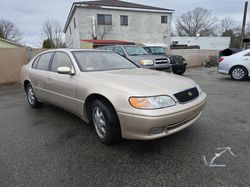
34	65
43	63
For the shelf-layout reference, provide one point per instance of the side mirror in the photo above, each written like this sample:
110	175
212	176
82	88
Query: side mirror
65	70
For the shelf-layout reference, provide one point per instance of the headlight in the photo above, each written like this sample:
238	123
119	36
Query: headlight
147	62
199	89
156	102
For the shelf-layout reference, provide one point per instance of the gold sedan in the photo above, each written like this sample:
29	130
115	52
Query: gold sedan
119	98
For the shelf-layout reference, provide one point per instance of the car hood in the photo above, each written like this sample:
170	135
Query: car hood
142	82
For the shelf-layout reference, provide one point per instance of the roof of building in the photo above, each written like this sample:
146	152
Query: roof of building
11	42
114	4
118	3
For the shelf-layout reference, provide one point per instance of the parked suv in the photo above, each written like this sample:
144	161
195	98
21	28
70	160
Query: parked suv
141	57
177	61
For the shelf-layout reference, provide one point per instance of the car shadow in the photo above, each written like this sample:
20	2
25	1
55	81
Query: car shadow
230	79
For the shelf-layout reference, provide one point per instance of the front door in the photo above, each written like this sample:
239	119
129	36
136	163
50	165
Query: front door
62	87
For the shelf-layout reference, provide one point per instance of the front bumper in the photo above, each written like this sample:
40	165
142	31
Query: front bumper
138	127
167	67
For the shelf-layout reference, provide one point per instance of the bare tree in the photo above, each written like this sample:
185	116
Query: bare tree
52	32
198	21
103	30
9	31
226	24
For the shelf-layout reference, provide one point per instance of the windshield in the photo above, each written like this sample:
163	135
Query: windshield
135	51
158	50
101	61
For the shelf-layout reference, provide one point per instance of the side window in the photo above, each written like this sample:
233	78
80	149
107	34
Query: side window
119	50
43	63
109	48
104	19
148	49
60	59
34	65
164	19
124	20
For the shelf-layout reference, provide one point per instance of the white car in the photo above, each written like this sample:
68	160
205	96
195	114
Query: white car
237	65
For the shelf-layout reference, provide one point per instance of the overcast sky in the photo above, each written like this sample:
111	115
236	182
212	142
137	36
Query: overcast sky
29	15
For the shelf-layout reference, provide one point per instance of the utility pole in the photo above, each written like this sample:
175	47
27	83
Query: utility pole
243	26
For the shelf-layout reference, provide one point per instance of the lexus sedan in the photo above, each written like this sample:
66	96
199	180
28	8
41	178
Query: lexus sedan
119	98
237	65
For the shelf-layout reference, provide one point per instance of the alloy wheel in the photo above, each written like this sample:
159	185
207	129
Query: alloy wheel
238	73
31	95
99	122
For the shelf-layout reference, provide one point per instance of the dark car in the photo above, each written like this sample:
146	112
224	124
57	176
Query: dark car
177	61
141	57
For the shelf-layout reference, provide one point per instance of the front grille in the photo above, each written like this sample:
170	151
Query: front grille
161	61
187	95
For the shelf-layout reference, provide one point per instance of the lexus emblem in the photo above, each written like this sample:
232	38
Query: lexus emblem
190	94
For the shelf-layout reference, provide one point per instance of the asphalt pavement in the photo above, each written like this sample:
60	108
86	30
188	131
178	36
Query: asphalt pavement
51	147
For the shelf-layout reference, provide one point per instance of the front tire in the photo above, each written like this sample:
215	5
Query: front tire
239	73
31	97
179	71
106	122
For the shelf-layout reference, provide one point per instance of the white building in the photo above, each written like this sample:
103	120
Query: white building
117	20
205	43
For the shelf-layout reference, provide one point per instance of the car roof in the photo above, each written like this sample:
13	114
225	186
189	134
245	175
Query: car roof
118	46
74	50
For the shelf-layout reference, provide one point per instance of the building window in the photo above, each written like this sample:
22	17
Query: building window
70	32
104	19
124	20
164	19
74	22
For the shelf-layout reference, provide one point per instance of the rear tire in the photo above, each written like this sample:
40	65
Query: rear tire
105	121
31	97
239	73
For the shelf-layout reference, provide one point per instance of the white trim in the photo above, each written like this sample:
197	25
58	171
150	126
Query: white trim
135	9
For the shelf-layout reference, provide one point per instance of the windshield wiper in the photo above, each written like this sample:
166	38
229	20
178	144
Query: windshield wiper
137	54
134	54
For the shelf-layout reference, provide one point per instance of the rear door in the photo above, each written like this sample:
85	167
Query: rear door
62	87
39	75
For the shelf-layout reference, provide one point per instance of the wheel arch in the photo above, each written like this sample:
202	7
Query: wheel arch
25	84
90	99
238	65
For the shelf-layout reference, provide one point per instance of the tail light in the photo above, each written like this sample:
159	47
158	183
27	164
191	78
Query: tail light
221	59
